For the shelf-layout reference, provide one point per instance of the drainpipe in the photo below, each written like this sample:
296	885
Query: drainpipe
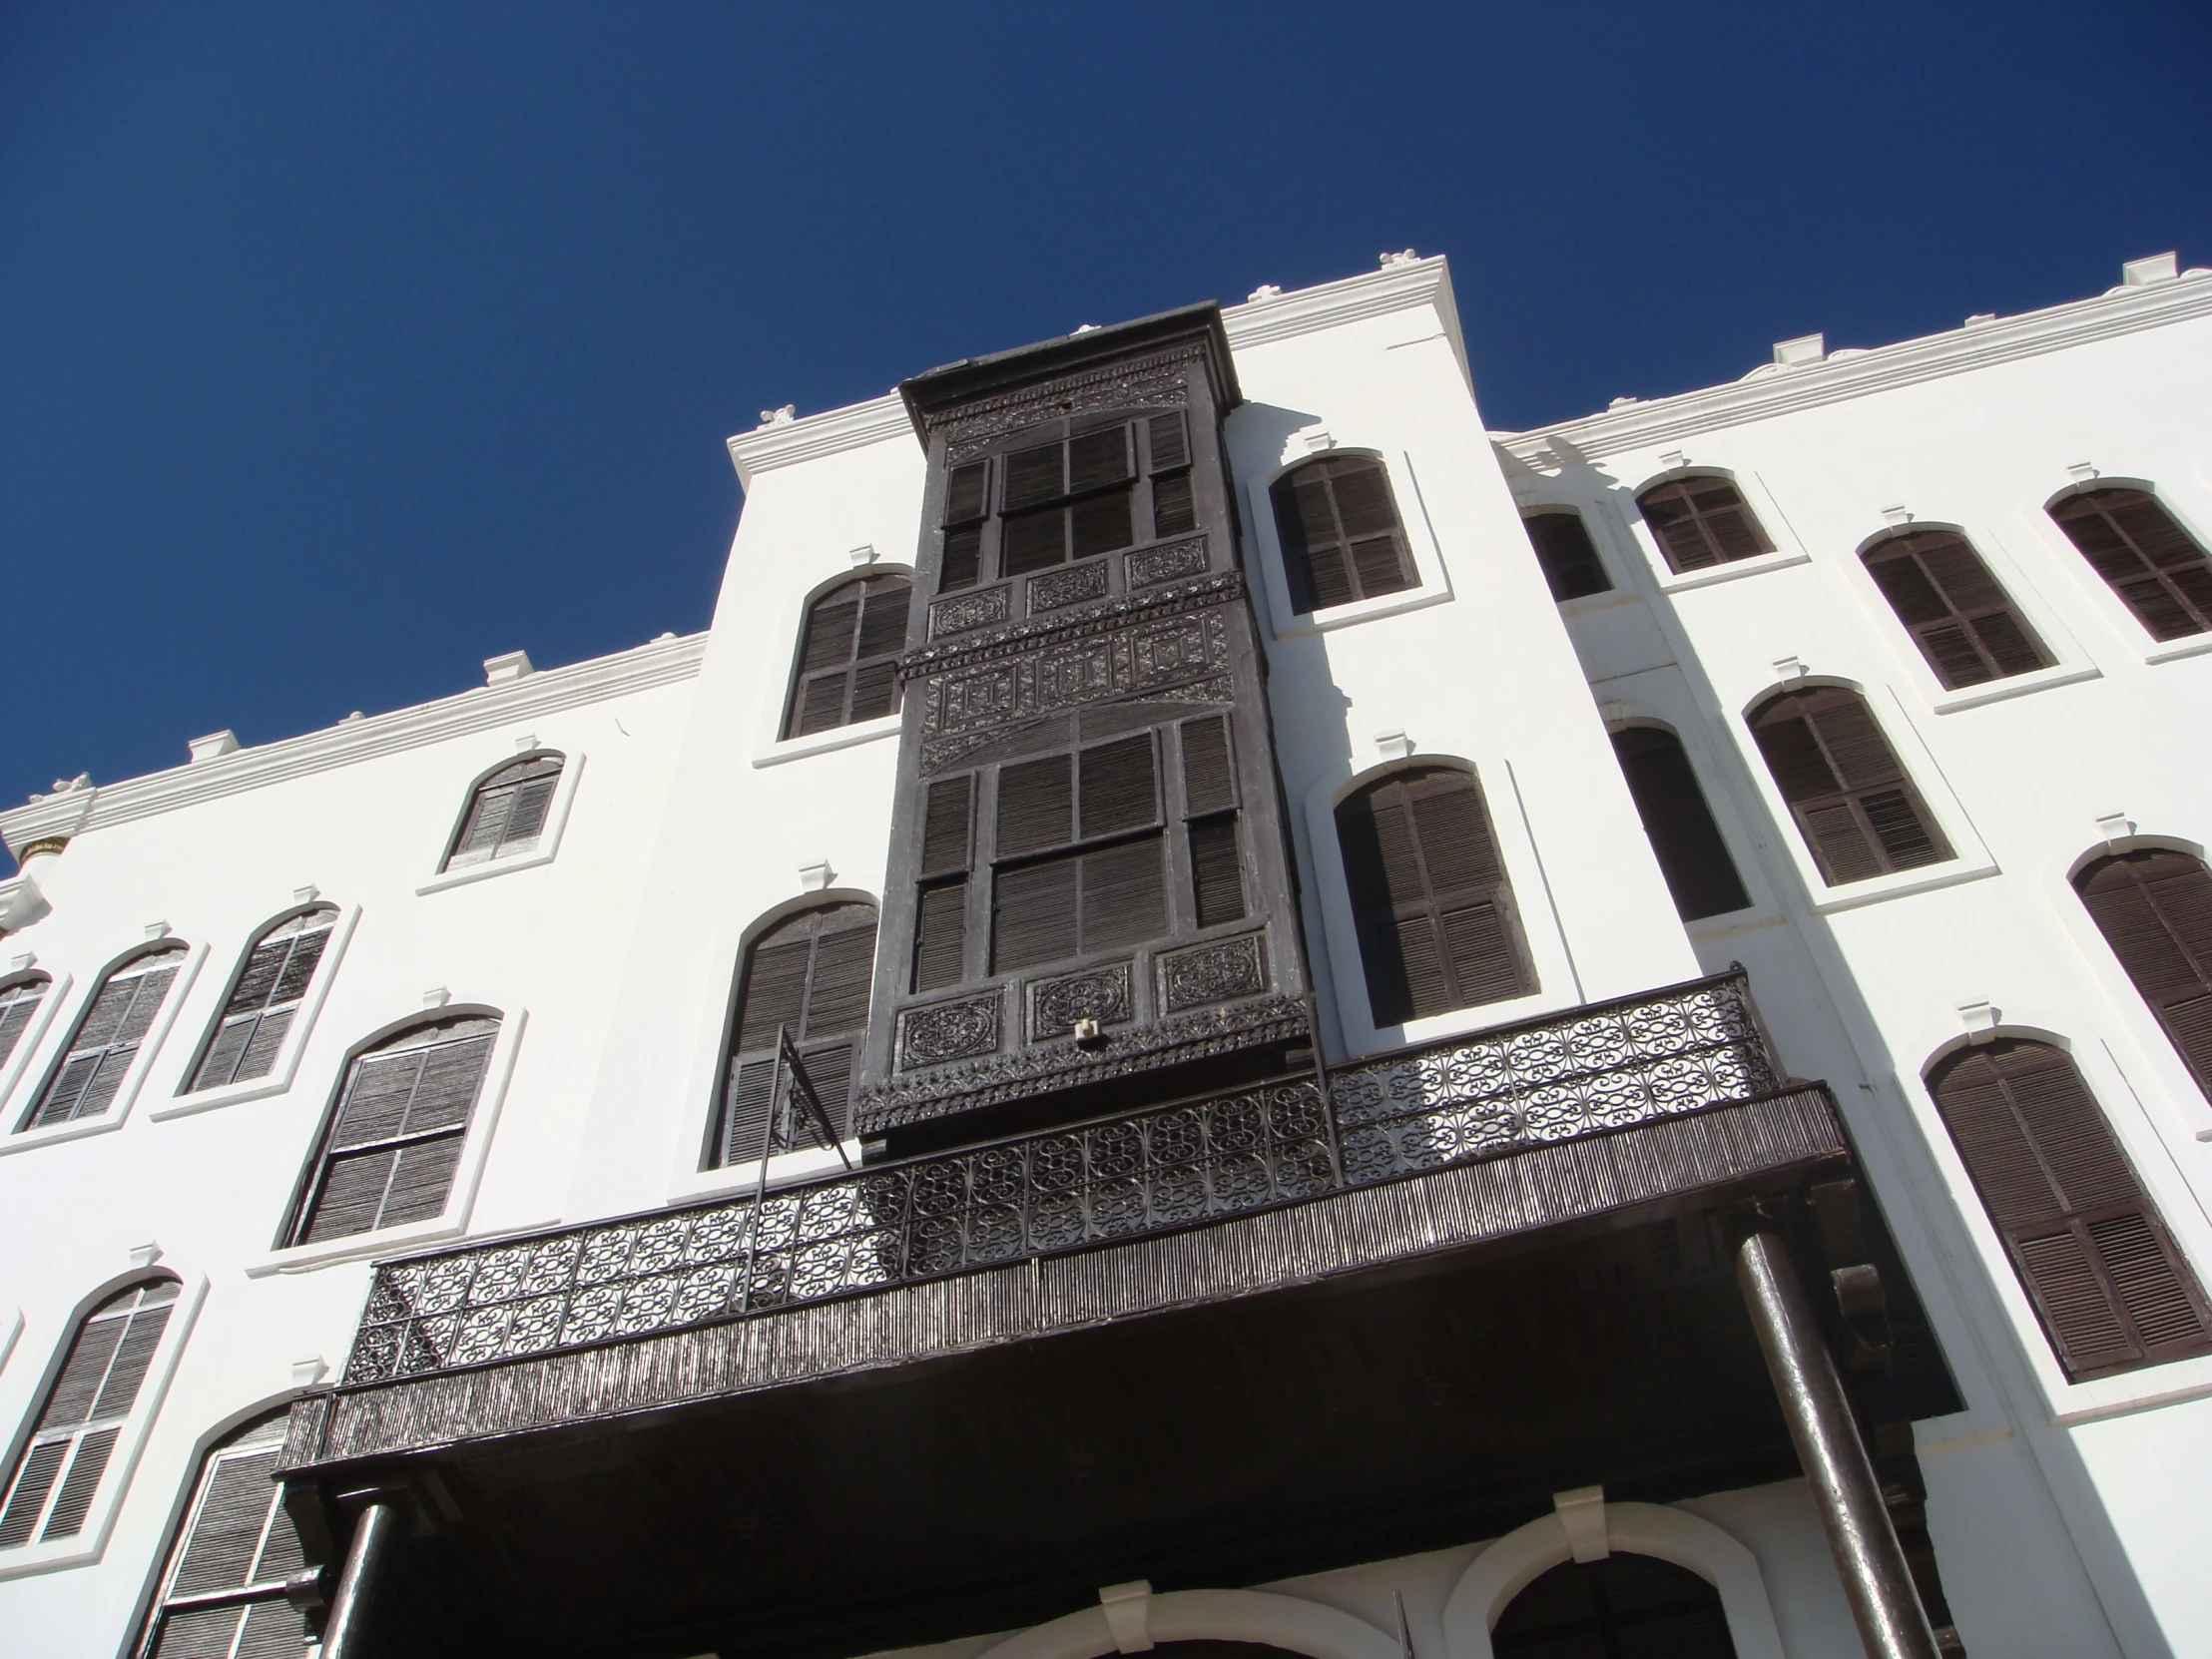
1877	1580
368	1558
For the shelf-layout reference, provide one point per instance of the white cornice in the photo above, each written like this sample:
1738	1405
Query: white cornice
1393	288
658	663
854	427
2124	310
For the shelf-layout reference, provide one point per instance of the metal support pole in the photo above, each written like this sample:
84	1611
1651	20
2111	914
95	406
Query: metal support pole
367	1563
1877	1580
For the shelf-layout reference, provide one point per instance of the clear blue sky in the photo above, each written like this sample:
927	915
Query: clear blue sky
343	346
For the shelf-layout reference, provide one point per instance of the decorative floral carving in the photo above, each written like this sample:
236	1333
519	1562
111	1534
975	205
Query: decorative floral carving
1100	993
1213	974
1058	588
1148	567
1021	637
1158	381
948	1031
964	612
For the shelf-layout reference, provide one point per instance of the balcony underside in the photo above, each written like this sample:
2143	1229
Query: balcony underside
1378	1369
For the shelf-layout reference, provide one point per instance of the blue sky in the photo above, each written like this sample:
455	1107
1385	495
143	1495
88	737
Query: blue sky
343	346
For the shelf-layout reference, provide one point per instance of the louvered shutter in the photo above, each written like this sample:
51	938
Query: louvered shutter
1100	525
261	1004
507	814
1034	476
1858	813
49	1490
848	656
1037	804
966	494
940	935
1701	522
396	1137
809	976
1964	622
1034	541
1209	781
1217	875
1119	786
1034	916
2106	1280
1169	440
944	827
1098	459
2154	909
1571	567
19	1005
223	1590
1430	897
107	1039
2144	556
1692	856
1341	533
1174	513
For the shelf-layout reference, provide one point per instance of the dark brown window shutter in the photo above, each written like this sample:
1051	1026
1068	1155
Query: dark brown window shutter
848	655
1430	896
1209	781
1966	625
966	494
2111	1289
2154	909
945	826
1858	813
99	1051
1216	874
1341	537
2148	559
940	935
261	1004
1034	541
1687	842
1571	567
1117	787
507	810
1101	524
222	1585
1035	476
1037	804
1169	441
1033	913
1173	511
811	975
1097	459
964	559
1701	522
20	1001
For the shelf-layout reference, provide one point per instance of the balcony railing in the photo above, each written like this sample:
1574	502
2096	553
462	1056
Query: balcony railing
1602	1067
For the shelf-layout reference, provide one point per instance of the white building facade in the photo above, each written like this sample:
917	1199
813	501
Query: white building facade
1208	715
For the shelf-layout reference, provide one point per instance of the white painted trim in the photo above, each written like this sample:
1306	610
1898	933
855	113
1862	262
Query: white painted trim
838	737
1287	1622
779	680
467	1175
855	427
115	1480
1377	293
119	1109
11	1326
280	1075
1884	368
57	992
1509	1565
2174	651
1734	571
540	852
2017	685
480	709
1433	580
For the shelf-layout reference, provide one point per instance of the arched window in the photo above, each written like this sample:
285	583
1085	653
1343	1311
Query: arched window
1341	537
848	655
1858	813
506	814
1621	1607
1563	548
1966	625
264	1000
221	1591
58	1471
2111	1289
1431	896
107	1039
396	1138
1692	855
2151	562
1701	522
807	975
2154	910
19	999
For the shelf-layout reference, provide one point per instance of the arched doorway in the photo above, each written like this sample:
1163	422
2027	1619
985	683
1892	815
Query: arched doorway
1622	1607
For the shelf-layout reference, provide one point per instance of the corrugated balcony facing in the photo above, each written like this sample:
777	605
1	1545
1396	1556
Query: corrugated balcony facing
1422	1149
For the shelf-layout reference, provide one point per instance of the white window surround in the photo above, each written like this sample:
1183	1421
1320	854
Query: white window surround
57	992
452	1221
134	1079
1510	1564
2066	1403
1737	835
1971	859
2125	625
280	1077
1434	584
1547	946
541	853
737	1179
770	746
11	1326
115	1480
1789	550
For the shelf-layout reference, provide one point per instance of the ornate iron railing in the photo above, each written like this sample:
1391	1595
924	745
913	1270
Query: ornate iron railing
1605	1066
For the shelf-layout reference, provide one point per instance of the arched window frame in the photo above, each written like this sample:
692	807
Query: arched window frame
1554	580
2123	614
1432	585
884	661
780	676
1985	652
1339	933
285	1067
1971	859
54	1051
1615	731
525	747
1787	551
287	1255
17	1062
2161	1039
91	1538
